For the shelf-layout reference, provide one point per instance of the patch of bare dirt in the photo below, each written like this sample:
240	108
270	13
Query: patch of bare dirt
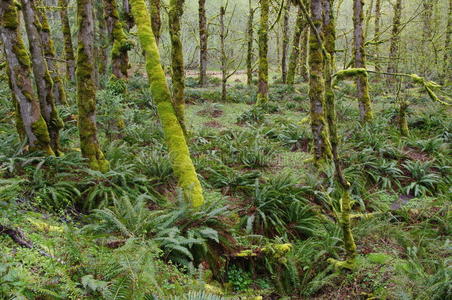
416	154
213	124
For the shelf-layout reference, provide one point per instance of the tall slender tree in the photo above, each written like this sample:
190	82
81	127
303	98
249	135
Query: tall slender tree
154	6
203	37
249	38
68	47
295	52
118	37
447	69
285	41
377	23
174	136
30	123
101	40
427	15
359	59
177	60
263	52
86	88
395	39
43	79
59	91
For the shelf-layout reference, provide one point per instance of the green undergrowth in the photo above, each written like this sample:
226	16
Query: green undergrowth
270	220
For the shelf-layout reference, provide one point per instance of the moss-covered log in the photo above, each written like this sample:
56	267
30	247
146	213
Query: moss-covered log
262	96
179	154
203	36
59	92
86	88
359	59
322	146
30	124
295	53
68	46
43	79
118	38
177	60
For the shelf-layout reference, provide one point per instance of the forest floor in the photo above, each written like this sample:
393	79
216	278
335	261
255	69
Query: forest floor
270	222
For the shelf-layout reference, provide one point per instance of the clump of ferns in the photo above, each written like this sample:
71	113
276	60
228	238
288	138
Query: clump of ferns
422	179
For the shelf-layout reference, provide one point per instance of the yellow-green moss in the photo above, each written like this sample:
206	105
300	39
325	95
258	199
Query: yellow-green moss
179	154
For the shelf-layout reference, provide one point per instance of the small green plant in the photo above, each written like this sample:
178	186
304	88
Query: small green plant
239	279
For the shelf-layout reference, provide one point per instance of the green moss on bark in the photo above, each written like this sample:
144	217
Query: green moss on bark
262	96
179	154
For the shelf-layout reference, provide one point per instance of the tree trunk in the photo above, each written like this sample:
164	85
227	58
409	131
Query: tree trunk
203	36
30	123
177	60
362	84
304	72
59	92
321	143
86	88
294	55
223	55
262	96
249	56
426	37
179	154
68	48
395	39
285	42
102	37
43	79
155	18
447	70
377	36
127	15
121	45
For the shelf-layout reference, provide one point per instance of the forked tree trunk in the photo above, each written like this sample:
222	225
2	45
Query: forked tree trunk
68	48
395	40
174	136
250	37
285	42
262	96
295	53
203	36
86	88
362	83
30	123
59	91
177	60
43	79
321	143
121	45
156	19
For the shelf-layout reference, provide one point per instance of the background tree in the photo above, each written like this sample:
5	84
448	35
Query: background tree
154	6
86	89
447	69
263	52
250	40
395	38
285	41
68	48
295	52
203	36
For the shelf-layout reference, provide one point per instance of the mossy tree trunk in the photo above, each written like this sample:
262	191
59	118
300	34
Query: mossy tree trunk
30	123
447	69
127	15
426	37
179	154
321	143
203	36
262	96
101	40
68	47
377	23
223	57
43	79
304	54
395	40
59	91
295	53
403	121
177	60
154	6
118	38
86	88
359	59
285	42
249	38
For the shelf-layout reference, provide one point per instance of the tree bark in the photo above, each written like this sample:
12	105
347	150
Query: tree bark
321	142
43	79
285	42
121	45
304	72
262	96
174	136
426	37
86	88
362	84
68	48
223	55
59	91
156	19
203	36
377	36
127	15
447	70
294	55
31	124
395	40
177	60
102	38
250	37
